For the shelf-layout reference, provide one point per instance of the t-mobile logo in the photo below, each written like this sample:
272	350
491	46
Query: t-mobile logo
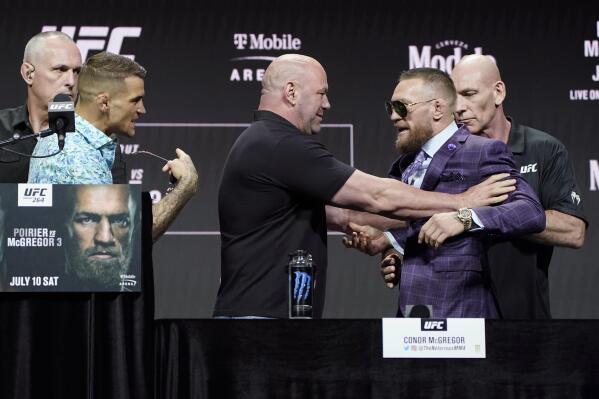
94	37
240	40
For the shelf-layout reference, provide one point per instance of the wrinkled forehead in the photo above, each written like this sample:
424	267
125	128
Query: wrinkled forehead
57	51
466	77
102	200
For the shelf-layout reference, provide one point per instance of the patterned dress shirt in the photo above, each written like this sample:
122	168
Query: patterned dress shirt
87	157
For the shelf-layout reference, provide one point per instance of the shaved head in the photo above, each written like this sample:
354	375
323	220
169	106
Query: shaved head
478	65
480	96
287	68
295	87
38	44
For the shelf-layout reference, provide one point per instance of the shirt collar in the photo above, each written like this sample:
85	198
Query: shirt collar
260	115
516	140
21	117
436	142
93	135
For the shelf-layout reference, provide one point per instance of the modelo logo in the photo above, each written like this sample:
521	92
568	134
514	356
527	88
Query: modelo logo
94	37
61	107
422	57
259	41
35	195
433	325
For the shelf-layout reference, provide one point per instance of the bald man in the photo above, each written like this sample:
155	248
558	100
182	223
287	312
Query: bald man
276	182
520	267
51	65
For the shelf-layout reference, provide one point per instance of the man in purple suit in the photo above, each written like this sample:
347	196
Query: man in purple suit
444	258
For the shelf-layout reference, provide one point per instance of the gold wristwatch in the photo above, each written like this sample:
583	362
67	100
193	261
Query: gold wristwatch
465	217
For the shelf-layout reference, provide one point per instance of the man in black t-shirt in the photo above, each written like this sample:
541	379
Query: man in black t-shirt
51	65
276	182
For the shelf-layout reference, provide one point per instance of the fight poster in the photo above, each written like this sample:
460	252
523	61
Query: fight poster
70	238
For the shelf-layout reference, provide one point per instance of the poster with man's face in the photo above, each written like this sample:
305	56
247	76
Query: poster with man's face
70	238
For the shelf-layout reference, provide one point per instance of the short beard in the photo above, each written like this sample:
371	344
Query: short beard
415	138
98	273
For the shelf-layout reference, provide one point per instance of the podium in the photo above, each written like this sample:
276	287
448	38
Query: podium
81	345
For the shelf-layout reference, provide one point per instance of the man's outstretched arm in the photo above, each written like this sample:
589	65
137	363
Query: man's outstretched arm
394	199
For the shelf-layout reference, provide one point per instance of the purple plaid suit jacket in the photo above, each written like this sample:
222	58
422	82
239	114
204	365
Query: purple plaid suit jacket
453	278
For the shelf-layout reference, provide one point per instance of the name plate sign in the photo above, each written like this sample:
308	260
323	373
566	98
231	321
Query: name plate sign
434	338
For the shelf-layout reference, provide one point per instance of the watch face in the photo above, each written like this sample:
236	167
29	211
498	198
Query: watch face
465	216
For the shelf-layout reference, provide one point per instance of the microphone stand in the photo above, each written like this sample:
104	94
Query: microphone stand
17	137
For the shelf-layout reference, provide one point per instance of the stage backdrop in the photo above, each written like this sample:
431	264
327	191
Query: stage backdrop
205	62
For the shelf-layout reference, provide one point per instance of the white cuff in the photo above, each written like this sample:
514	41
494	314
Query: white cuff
476	223
394	243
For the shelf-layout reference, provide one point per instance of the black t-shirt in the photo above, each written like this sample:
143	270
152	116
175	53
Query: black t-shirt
271	202
14	168
519	268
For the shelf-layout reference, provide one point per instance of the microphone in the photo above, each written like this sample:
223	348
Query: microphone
61	117
420	311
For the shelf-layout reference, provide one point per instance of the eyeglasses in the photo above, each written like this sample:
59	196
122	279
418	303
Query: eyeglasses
400	108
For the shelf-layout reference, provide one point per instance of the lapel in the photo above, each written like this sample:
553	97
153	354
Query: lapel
400	164
437	165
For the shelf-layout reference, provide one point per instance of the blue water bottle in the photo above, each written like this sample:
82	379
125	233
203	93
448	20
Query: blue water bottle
301	285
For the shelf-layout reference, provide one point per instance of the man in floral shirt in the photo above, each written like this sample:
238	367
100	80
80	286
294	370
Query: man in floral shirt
111	93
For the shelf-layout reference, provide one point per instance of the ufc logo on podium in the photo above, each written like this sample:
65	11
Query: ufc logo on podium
433	325
61	107
94	37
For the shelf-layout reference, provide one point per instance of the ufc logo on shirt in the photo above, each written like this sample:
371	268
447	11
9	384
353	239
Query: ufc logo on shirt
528	168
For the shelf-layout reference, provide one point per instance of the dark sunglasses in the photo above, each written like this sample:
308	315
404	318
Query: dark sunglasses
400	108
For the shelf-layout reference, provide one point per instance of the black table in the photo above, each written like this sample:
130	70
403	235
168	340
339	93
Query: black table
343	359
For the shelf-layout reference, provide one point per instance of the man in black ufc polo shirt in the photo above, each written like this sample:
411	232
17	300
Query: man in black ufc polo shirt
519	268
